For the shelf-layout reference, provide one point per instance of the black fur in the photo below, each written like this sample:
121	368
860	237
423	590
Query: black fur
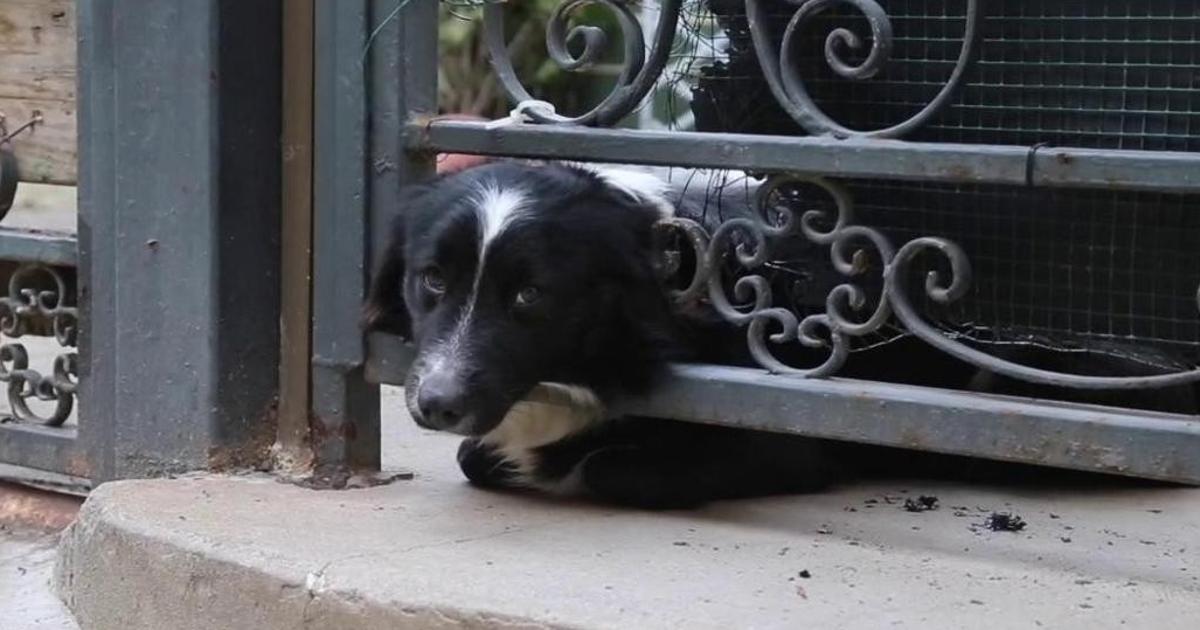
603	320
602	323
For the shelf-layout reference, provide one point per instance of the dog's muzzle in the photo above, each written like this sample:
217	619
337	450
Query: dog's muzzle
437	401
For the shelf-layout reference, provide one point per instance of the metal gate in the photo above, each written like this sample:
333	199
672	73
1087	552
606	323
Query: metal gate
398	132
203	342
39	316
169	289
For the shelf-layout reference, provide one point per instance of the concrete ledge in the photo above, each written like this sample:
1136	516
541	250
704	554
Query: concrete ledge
251	553
204	553
123	567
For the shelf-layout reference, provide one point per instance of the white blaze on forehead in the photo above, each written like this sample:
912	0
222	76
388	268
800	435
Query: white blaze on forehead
497	207
640	185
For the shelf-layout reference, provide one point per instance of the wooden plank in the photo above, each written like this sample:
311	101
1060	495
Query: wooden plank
37	73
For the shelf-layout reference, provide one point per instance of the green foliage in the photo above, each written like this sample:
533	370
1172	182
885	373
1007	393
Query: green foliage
466	83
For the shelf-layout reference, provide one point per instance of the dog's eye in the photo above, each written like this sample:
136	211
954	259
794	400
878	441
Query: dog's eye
528	296
433	281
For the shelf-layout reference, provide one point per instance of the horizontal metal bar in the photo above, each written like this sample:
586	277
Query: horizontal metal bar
54	449
1064	435
1083	437
45	480
32	246
850	158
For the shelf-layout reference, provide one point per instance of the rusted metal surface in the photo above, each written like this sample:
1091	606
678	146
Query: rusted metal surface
179	232
343	405
341	477
254	451
375	68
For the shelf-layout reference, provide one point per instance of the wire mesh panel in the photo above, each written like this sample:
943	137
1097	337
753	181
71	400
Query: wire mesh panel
818	253
1105	74
1076	277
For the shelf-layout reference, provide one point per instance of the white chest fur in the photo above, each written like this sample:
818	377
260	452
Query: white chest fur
552	412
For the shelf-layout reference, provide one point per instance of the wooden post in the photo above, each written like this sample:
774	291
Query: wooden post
293	450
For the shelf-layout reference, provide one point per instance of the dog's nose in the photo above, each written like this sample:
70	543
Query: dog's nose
442	401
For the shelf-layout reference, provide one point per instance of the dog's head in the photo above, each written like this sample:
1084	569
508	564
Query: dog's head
506	275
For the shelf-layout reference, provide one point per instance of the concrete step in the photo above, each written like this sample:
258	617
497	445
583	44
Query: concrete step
250	552
30	521
26	600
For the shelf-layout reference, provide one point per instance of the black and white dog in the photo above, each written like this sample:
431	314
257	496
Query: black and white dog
532	296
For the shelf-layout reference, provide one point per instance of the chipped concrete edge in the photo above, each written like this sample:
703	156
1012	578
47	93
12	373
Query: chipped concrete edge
116	573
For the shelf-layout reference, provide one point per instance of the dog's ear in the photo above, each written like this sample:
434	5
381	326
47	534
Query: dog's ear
386	310
635	336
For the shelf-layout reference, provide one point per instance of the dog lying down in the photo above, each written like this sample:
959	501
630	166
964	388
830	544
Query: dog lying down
531	294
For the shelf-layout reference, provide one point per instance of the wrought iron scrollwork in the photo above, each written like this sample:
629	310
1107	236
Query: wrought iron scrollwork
779	66
29	308
847	312
638	72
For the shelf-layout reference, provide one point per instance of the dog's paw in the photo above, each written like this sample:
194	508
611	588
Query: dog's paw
483	465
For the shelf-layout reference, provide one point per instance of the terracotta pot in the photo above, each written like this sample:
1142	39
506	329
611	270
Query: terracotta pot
454	162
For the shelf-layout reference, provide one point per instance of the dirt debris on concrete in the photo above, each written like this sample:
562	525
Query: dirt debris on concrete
1004	522
923	503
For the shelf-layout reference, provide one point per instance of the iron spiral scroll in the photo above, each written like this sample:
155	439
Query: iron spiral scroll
27	309
787	84
848	312
638	72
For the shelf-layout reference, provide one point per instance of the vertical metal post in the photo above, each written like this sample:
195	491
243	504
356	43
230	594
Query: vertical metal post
403	65
345	408
179	233
375	68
